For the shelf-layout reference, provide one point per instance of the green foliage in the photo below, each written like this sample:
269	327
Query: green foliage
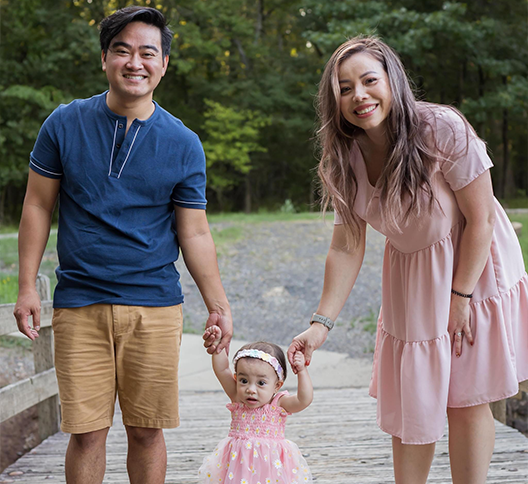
243	75
232	136
8	288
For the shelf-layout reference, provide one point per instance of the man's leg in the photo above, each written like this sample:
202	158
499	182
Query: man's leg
147	455
471	442
86	457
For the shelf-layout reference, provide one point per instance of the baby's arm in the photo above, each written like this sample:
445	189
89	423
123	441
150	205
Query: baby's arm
221	364
296	403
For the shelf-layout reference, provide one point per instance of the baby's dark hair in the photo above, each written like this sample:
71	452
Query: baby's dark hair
270	348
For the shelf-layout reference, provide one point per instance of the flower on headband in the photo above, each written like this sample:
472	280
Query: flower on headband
262	355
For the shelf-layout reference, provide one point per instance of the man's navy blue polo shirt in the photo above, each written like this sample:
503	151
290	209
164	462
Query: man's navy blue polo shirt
116	240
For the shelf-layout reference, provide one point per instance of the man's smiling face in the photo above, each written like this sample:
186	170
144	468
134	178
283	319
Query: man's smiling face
134	63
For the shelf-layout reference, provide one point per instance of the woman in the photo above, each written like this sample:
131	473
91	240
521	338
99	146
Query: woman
453	329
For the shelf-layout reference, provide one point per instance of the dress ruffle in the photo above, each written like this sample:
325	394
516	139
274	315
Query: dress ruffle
414	385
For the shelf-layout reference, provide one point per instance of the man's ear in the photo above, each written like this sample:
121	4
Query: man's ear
103	60
165	65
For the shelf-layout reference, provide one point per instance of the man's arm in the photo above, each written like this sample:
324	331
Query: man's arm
41	195
199	253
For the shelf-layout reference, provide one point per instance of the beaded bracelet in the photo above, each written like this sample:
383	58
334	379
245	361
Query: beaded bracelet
456	293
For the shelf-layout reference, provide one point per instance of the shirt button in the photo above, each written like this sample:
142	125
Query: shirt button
119	125
118	145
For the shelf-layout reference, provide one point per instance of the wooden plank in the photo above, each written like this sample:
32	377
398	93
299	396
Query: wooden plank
337	434
48	410
21	395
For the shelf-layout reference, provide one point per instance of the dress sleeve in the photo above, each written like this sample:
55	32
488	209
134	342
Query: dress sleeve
190	191
465	156
45	158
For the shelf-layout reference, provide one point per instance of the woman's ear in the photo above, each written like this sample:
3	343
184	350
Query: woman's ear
234	376
278	385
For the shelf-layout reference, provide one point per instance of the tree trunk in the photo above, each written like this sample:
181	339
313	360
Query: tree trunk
247	195
259	28
481	128
505	147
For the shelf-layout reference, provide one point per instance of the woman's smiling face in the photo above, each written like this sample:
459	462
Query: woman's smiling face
365	92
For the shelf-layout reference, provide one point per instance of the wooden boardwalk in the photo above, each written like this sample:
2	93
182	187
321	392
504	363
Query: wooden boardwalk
337	434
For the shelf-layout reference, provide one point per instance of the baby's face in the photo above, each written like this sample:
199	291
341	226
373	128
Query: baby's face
257	382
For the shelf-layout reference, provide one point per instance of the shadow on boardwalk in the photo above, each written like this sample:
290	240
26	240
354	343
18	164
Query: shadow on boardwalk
337	434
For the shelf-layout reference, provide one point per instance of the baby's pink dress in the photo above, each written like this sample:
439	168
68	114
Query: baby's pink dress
255	451
416	375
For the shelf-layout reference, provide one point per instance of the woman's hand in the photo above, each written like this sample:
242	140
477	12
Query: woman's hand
459	323
306	343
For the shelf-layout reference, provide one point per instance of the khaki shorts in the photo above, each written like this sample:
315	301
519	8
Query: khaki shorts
132	351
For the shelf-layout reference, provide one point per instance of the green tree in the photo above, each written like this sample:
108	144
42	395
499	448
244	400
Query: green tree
232	136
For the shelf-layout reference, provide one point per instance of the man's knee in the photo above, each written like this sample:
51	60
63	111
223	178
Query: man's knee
144	436
90	441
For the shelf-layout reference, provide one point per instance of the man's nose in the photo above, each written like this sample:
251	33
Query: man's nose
135	62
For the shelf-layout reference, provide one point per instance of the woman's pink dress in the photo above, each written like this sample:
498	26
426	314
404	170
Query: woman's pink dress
415	374
255	451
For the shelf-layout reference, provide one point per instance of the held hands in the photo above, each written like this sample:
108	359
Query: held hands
459	323
306	343
28	304
299	362
214	338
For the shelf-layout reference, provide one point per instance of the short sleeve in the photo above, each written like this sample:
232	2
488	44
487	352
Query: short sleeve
45	157
466	156
190	191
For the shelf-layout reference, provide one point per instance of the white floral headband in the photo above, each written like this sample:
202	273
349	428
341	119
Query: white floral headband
261	355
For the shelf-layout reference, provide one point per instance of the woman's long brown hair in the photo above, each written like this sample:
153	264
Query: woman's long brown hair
405	185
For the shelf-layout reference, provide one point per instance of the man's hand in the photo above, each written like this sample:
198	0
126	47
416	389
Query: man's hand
28	304
224	330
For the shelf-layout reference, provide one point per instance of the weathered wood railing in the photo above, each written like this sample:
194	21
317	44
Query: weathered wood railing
41	388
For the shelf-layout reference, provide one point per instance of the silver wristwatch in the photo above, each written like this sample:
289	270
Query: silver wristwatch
317	318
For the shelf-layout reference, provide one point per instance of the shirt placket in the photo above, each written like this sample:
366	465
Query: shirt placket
123	146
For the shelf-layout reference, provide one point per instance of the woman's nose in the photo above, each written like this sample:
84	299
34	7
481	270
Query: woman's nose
359	94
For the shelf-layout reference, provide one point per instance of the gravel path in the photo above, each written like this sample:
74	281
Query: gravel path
273	276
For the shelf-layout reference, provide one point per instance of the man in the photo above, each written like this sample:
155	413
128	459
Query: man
131	179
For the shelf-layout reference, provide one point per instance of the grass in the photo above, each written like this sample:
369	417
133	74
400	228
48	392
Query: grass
523	239
252	218
13	342
519	202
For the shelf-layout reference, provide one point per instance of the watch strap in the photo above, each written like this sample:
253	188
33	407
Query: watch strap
317	318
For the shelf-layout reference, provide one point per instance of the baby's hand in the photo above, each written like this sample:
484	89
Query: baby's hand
299	362
212	336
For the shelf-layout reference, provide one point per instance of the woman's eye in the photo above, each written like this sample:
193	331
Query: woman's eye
261	383
344	90
371	80
243	381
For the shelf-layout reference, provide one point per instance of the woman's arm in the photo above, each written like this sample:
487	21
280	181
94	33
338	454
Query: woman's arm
341	270
477	205
304	396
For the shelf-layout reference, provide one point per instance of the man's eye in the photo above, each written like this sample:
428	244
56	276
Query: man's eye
148	54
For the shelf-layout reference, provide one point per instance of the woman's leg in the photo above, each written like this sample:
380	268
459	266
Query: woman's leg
471	441
411	462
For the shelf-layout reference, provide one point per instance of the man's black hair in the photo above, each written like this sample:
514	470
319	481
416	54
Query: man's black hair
115	23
